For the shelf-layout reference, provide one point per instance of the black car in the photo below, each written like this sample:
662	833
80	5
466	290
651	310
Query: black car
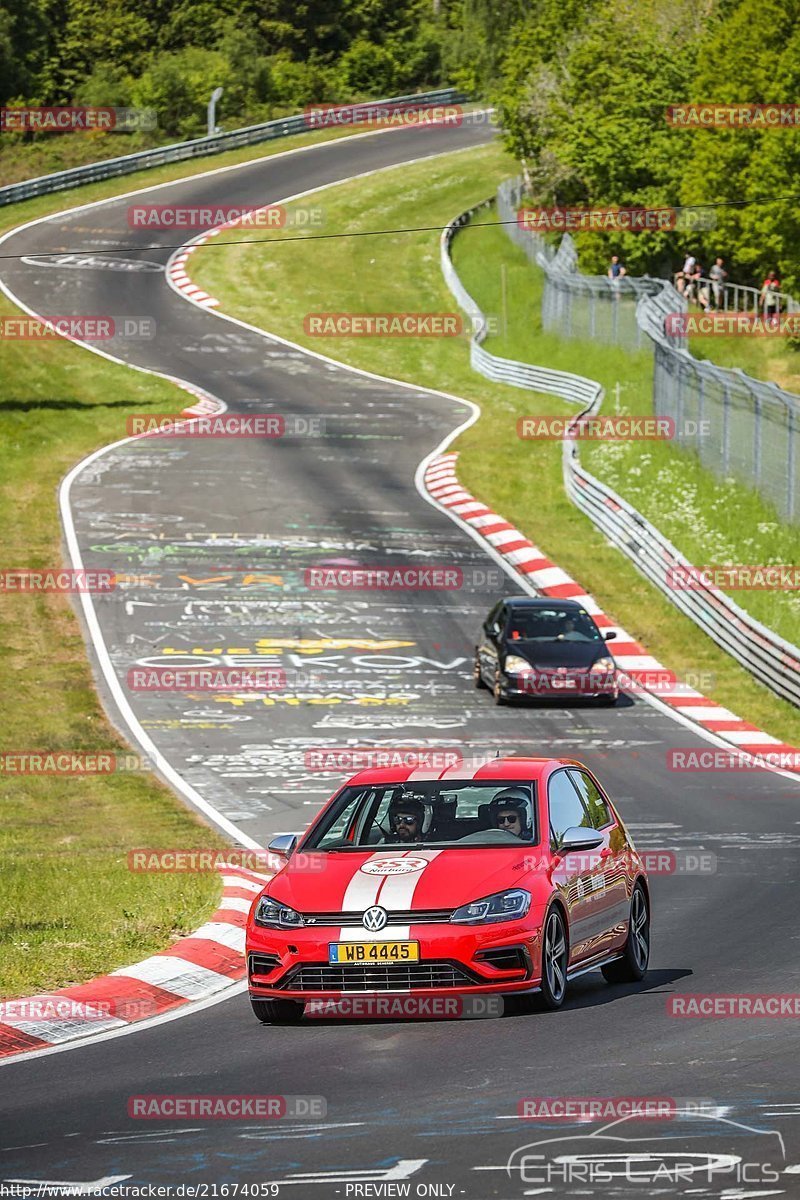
548	649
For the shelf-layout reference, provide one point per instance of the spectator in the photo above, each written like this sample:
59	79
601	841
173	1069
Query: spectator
718	275
616	269
770	297
693	277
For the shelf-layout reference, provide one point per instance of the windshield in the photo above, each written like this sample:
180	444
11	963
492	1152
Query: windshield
552	625
436	813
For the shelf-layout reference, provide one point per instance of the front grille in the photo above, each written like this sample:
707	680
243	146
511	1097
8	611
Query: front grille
374	977
419	916
263	964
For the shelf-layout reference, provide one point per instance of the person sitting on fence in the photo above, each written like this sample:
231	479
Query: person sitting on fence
683	278
693	282
770	296
616	270
718	275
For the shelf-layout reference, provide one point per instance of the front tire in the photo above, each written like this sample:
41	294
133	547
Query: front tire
555	957
477	677
497	691
632	967
277	1012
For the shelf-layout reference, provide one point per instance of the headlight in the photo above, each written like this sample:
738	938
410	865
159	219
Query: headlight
604	664
276	916
516	665
502	906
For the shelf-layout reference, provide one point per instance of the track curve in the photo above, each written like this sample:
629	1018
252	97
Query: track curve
439	1097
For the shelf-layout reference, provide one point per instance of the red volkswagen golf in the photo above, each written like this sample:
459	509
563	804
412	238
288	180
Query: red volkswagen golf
509	877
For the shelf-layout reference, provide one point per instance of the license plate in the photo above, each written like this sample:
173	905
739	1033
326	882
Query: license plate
344	953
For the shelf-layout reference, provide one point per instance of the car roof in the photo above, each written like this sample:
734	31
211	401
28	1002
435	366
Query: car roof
541	602
501	770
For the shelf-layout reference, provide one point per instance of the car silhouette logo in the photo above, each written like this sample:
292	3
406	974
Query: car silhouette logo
375	918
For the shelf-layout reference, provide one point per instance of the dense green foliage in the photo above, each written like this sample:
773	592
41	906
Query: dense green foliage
270	56
582	90
582	87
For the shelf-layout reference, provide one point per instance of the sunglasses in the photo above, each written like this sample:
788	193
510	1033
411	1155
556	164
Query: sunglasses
404	819
508	819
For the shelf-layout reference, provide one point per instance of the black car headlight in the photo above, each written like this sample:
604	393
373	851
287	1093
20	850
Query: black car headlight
502	906
275	915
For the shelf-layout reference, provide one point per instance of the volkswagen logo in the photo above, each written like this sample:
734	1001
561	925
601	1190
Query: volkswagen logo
375	918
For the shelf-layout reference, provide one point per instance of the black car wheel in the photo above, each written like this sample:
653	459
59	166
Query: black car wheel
632	967
277	1012
497	690
477	677
555	956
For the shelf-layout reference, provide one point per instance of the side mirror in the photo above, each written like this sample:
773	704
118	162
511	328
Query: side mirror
284	844
578	838
609	635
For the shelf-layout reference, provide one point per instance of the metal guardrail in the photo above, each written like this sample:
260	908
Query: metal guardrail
769	657
180	151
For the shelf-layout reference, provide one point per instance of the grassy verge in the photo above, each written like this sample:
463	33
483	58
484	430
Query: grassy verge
769	358
522	480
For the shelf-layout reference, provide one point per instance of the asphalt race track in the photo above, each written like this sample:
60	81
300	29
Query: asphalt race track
216	535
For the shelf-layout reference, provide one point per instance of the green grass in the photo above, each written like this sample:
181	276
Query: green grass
769	358
69	907
522	480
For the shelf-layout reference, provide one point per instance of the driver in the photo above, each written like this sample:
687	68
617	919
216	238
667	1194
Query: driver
406	816
509	810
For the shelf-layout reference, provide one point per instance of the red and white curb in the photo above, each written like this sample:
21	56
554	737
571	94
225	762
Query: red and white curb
194	968
177	265
548	579
176	270
205	406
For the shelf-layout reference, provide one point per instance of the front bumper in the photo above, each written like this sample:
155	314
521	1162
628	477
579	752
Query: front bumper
452	960
540	685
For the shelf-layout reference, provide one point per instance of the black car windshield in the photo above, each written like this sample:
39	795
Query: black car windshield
436	813
554	624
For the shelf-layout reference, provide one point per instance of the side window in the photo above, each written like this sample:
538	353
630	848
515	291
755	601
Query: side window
494	615
596	806
565	805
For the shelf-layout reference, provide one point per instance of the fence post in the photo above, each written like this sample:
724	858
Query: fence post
757	411
791	451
